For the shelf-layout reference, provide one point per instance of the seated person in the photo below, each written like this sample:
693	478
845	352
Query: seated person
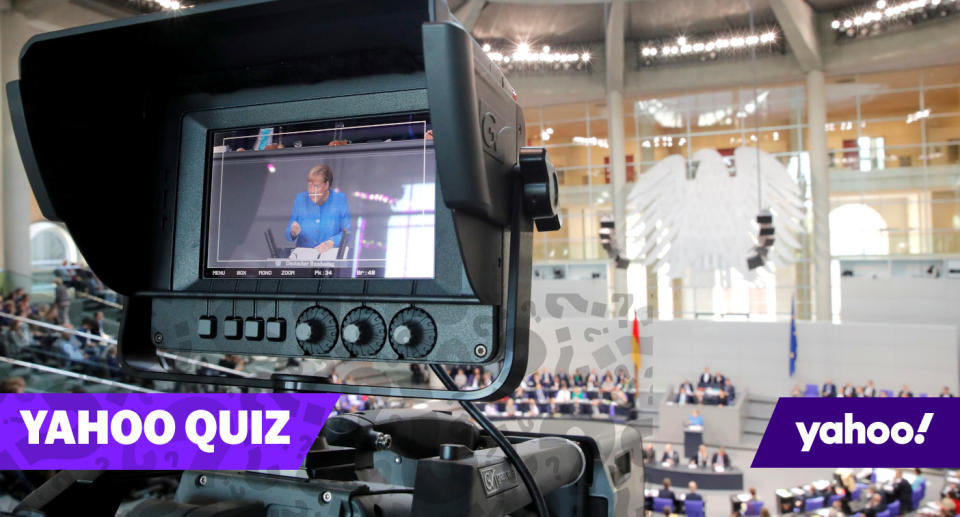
722	399
563	394
720	459
905	392
874	506
540	394
730	391
702	456
510	408
68	346
592	382
686	393
670	457
649	453
705	378
948	508
589	406
903	492
693	495
619	397
829	389
532	408
849	391
945	393
533	379
546	378
607	383
719	379
842	504
666	493
869	390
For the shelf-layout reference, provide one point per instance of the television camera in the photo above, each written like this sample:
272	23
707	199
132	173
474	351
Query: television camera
337	180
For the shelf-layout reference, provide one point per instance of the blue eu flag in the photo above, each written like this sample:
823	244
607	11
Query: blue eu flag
793	339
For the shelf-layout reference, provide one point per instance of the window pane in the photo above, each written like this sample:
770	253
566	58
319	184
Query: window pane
941	75
888	105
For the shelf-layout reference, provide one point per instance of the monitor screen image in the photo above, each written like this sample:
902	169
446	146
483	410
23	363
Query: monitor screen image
330	199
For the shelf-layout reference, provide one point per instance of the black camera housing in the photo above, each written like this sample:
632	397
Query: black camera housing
122	157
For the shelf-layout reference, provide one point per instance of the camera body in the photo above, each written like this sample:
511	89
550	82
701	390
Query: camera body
338	180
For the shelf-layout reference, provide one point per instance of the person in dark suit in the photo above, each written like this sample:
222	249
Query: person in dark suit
731	391
666	493
705	378
720	459
945	393
670	456
829	389
874	506
692	495
869	390
848	390
722	399
719	379
649	453
685	394
902	492
905	392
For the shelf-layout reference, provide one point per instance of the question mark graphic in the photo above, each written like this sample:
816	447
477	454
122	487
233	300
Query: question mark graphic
556	466
624	307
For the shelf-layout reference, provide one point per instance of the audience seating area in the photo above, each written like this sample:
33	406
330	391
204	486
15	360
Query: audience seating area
866	492
559	394
711	389
830	389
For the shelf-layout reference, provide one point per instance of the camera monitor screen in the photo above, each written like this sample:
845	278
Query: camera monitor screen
331	199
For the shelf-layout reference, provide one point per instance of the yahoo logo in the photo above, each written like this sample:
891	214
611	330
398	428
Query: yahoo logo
850	432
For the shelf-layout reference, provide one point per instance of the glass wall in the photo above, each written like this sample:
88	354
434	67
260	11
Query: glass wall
894	144
575	136
894	152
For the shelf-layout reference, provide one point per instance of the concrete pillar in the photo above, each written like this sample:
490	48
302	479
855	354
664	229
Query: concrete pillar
16	193
820	191
618	181
646	131
677	285
801	295
653	292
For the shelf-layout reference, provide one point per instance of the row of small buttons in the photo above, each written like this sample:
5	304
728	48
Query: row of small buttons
235	327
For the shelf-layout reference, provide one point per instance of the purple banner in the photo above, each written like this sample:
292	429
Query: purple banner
861	432
162	431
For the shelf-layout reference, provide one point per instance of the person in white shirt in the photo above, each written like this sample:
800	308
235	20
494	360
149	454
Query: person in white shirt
460	379
563	394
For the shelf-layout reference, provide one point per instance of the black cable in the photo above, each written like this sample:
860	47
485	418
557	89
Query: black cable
501	440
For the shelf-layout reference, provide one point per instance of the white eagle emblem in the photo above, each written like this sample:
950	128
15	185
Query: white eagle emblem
708	222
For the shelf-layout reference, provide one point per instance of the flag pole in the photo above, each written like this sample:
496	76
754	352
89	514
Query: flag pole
636	357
